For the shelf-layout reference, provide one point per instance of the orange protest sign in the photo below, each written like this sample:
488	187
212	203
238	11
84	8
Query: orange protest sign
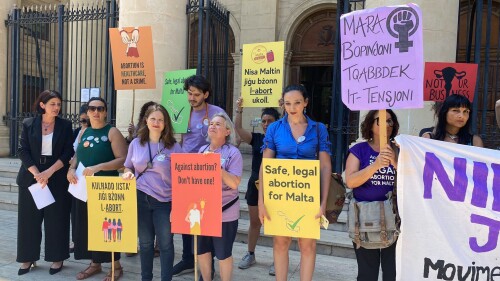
196	194
133	60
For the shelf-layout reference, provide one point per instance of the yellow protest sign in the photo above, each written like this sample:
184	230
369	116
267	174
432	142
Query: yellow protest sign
112	212
291	197
262	74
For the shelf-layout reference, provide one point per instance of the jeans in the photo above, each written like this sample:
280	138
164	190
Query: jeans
187	248
154	218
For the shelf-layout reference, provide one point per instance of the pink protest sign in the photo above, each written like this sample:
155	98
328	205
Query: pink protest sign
381	57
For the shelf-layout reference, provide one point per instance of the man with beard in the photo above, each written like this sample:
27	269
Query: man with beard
198	89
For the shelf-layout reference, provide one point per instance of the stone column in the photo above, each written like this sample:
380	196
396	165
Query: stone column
258	24
167	19
440	20
5	7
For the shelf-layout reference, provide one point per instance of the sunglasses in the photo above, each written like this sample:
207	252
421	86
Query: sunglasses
389	122
98	108
84	121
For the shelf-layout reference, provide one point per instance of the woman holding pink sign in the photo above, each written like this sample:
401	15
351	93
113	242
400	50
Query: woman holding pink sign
366	165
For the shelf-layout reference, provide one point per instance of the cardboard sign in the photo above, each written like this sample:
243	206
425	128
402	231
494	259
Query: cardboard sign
442	79
112	213
196	194
175	99
291	197
133	60
381	55
262	74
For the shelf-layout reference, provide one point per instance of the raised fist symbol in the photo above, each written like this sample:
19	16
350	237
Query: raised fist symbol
401	24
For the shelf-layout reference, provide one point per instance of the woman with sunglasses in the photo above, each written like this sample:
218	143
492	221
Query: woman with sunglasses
453	124
84	123
77	135
366	162
44	150
102	150
148	160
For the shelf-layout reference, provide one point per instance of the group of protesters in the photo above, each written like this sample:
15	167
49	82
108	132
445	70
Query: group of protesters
50	153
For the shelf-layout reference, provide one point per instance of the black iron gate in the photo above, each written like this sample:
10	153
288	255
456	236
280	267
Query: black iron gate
344	123
59	47
209	47
479	42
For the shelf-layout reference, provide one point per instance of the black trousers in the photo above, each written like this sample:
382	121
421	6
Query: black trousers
369	261
80	236
55	218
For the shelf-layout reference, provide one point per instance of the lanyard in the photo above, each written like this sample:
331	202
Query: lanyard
204	120
150	163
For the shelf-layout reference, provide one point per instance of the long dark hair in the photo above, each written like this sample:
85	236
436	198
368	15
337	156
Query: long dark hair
453	101
167	135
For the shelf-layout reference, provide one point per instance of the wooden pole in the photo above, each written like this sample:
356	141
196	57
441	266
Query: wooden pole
112	265
196	258
382	125
133	107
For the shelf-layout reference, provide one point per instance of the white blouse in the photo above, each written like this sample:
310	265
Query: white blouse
47	144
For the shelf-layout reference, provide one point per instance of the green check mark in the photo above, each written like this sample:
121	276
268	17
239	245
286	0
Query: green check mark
293	225
176	116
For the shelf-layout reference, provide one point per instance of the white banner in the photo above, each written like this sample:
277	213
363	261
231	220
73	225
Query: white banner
449	202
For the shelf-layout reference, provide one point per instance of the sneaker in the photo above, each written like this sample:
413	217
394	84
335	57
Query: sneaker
272	271
247	261
182	267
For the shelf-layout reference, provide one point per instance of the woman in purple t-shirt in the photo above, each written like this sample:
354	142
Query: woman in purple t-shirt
371	173
148	160
221	135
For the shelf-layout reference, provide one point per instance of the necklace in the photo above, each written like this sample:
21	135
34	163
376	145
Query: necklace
452	137
46	127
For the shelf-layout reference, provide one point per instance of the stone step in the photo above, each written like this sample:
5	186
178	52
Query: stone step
333	243
8	184
9	171
8	201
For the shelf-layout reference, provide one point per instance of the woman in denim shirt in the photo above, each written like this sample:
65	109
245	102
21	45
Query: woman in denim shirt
295	136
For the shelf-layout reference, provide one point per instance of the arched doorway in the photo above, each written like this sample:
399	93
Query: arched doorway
311	64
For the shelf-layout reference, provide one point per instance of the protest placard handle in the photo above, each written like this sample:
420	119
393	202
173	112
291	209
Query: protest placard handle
112	265
382	125
196	258
133	108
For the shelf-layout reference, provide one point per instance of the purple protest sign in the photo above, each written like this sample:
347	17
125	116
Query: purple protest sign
382	63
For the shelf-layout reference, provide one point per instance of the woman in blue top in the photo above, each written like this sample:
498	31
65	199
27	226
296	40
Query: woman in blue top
371	172
295	136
